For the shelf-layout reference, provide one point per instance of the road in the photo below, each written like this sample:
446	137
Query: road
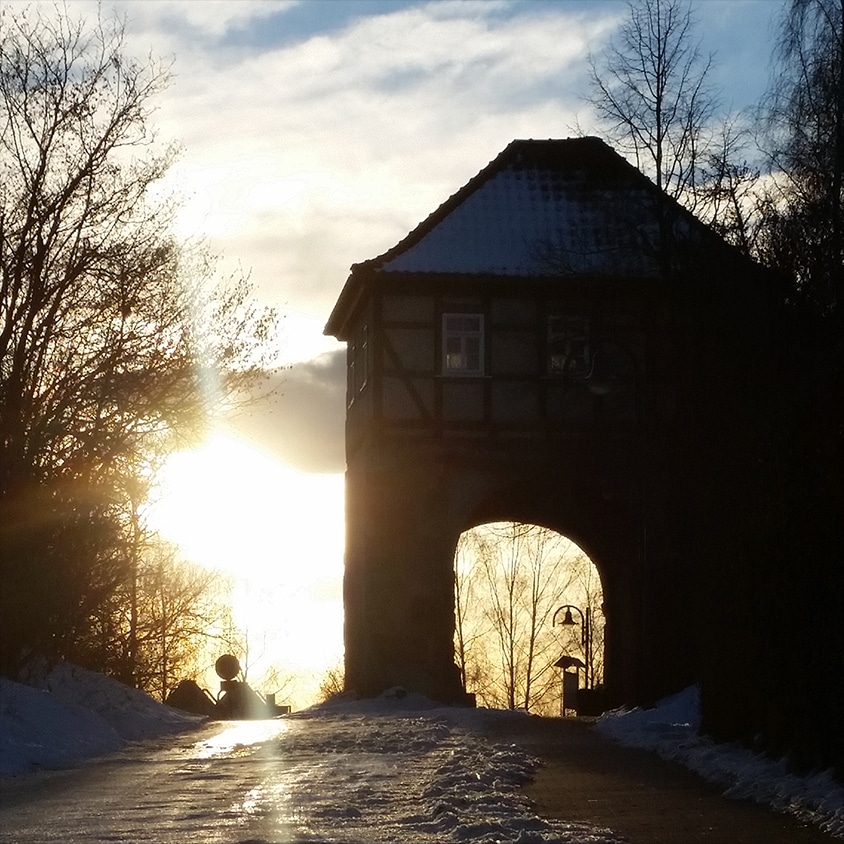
349	779
202	786
398	778
644	799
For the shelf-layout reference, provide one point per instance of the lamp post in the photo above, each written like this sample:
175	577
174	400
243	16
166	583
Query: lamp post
585	636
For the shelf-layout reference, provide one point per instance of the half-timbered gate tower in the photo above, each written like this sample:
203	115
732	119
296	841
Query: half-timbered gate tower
523	355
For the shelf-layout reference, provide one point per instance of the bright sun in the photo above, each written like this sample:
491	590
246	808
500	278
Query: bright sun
277	532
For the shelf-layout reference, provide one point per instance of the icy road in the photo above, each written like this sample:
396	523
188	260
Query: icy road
355	778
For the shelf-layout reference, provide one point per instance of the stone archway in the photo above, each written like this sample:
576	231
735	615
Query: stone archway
403	524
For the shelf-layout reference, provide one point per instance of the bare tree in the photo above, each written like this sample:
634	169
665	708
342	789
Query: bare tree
649	89
109	336
332	683
510	579
729	194
805	142
152	632
278	683
463	598
179	605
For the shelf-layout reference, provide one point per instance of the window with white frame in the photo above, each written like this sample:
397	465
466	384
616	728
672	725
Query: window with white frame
463	344
568	346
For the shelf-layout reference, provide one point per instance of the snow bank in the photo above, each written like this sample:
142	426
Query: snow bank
671	730
68	715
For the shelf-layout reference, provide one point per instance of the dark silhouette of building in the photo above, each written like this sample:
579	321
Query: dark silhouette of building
549	346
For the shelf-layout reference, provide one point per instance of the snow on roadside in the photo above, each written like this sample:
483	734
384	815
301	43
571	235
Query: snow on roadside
133	714
68	715
671	730
40	731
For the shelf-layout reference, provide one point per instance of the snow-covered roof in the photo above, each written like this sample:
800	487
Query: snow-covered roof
541	208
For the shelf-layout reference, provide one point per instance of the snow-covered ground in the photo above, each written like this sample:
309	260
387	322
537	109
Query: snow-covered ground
69	715
426	780
671	730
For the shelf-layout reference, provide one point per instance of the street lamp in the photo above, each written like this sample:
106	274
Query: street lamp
585	636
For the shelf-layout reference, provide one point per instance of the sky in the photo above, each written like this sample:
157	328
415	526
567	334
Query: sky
315	134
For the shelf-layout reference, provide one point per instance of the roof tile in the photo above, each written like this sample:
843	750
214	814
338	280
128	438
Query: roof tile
541	208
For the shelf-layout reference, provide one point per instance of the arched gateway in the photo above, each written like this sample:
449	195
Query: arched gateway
526	353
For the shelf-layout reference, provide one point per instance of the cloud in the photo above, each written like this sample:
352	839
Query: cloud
301	422
316	135
305	158
213	24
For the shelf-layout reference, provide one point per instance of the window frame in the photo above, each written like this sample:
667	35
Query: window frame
464	335
574	363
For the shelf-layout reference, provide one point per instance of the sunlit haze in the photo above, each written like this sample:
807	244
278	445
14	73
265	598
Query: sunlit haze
277	532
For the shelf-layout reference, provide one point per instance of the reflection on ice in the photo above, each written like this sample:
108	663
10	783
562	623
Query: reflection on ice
239	738
252	800
365	772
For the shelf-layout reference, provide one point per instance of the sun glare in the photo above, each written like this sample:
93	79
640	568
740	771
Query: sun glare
276	532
